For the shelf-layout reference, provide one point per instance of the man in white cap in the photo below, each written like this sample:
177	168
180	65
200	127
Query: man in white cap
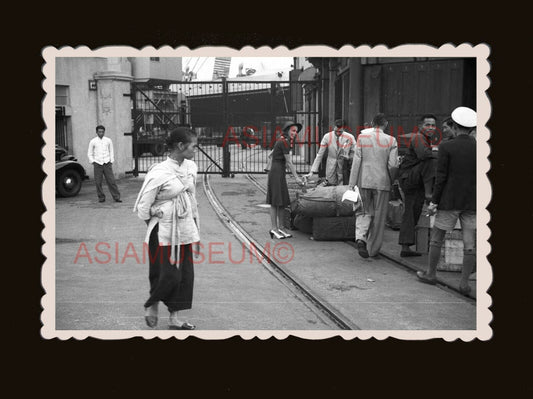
454	196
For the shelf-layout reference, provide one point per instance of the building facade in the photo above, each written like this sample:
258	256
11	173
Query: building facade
93	91
98	90
357	88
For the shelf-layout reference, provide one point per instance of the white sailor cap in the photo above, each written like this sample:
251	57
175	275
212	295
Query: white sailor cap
464	116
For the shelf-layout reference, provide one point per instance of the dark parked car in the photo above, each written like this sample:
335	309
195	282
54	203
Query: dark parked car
69	173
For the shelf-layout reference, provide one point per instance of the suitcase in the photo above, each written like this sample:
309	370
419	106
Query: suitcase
337	228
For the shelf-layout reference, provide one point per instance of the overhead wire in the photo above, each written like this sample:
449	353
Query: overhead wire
196	63
201	65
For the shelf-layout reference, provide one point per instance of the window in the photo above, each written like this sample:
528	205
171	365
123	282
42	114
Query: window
62	95
61	128
156	59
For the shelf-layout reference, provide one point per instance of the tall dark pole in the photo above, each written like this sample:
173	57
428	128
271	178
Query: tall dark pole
226	156
273	121
135	129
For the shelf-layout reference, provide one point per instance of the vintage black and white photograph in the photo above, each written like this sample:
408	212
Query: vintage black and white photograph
313	192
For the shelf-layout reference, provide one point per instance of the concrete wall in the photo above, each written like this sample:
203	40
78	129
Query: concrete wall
107	105
76	73
167	68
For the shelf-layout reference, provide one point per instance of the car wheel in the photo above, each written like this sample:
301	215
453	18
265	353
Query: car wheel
68	183
158	150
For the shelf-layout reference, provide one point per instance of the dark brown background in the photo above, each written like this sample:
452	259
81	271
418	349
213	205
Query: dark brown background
388	367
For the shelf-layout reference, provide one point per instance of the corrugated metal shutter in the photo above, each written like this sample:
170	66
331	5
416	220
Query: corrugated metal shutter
221	69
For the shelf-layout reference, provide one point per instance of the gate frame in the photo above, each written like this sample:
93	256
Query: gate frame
225	169
135	88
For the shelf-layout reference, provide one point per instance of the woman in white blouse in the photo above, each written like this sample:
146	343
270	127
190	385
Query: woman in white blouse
167	203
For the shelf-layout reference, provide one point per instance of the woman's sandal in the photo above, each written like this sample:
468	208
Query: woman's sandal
151	320
183	326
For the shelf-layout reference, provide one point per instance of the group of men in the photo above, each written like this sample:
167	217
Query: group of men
438	169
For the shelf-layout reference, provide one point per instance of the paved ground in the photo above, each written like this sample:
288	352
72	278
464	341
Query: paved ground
101	277
374	293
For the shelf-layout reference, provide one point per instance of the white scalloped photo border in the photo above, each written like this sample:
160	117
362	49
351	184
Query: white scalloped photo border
481	52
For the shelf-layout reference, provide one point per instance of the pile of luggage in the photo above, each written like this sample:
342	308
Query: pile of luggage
321	212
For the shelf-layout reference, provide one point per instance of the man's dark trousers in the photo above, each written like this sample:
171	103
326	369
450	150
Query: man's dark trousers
414	201
416	186
107	171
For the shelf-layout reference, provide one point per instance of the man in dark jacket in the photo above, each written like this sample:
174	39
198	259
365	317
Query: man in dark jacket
454	196
416	178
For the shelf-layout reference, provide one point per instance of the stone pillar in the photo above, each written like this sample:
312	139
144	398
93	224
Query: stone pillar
114	112
114	64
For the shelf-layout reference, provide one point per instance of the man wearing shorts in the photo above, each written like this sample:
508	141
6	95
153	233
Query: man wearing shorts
454	196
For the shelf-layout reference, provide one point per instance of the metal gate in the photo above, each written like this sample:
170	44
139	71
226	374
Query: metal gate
236	122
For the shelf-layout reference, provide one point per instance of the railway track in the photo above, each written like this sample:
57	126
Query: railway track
286	277
297	287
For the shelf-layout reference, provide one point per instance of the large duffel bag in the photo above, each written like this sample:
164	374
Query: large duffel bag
324	202
338	228
303	223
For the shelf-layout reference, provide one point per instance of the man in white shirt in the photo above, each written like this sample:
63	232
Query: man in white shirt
102	157
339	147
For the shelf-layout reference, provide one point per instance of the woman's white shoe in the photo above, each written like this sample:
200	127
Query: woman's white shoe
276	234
287	235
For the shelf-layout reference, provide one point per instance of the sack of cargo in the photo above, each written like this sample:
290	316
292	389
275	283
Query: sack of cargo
290	213
324	202
303	224
338	228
